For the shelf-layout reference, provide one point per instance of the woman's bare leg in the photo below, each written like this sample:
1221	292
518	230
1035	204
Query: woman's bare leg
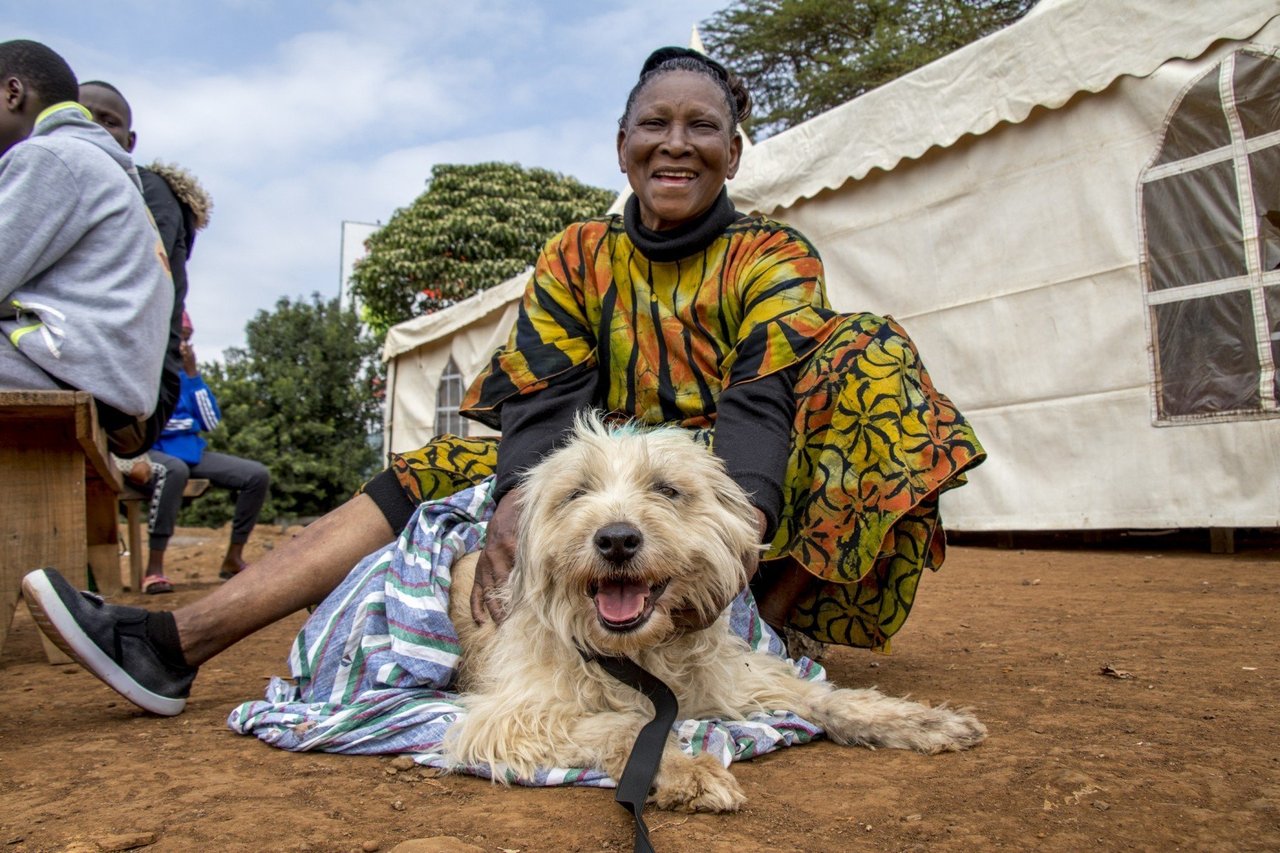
298	573
783	592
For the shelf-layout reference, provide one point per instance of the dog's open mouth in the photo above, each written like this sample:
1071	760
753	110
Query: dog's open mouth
623	603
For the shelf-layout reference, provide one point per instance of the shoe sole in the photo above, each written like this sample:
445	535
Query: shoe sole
64	632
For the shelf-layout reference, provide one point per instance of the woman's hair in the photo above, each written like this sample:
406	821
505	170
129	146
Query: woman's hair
39	68
666	59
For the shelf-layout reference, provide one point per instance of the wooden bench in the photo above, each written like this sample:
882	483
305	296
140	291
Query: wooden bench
133	499
58	492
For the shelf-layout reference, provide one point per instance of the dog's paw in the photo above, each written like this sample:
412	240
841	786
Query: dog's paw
942	729
869	718
699	784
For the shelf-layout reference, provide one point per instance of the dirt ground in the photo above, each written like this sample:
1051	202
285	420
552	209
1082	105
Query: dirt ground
1131	694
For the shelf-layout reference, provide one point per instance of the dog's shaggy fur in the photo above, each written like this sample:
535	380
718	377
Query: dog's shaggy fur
619	529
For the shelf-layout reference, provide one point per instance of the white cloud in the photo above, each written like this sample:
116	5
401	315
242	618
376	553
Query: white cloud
281	236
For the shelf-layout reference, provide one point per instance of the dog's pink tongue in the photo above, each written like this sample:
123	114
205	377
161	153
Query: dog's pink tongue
621	600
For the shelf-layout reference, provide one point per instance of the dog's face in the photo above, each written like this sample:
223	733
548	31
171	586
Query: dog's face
623	527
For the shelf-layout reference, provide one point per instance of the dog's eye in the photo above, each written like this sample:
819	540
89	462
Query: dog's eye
667	490
574	495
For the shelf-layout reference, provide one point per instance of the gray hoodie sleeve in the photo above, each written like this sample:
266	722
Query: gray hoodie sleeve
36	222
85	281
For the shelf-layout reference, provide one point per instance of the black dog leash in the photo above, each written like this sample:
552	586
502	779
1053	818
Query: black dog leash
646	755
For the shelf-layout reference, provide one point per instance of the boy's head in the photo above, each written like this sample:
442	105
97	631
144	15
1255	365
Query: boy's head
110	110
32	77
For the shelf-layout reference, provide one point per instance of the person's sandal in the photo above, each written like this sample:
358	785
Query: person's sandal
156	585
109	640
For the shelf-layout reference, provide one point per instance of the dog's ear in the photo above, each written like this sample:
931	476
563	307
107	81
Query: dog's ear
734	501
731	497
751	560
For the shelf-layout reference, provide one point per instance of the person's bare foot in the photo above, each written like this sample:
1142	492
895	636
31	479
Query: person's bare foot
231	568
233	563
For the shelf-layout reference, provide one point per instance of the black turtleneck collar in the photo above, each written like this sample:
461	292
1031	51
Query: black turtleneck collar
684	240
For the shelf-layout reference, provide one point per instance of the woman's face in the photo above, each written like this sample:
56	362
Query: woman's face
677	148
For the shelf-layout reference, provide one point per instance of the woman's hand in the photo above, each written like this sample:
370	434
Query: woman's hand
688	619
499	555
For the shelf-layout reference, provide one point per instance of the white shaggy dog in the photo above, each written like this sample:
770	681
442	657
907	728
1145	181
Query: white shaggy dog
619	529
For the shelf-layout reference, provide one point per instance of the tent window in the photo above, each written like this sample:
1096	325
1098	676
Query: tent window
1210	207
449	401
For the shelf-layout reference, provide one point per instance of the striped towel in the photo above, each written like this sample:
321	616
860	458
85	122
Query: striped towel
372	666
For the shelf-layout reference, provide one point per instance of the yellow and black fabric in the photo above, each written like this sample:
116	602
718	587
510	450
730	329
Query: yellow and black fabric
666	337
873	446
873	442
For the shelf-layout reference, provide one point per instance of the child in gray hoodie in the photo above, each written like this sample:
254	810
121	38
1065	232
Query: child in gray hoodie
85	290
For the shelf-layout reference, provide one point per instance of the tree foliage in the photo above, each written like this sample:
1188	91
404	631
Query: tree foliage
302	398
802	57
473	227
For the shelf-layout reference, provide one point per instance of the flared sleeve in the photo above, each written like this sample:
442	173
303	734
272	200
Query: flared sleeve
551	335
785	312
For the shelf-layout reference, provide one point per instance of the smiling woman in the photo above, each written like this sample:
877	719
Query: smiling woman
685	311
680	311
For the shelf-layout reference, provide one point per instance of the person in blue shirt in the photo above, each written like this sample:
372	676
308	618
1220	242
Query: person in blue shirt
180	454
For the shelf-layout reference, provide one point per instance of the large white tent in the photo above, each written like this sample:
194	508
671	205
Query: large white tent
1078	220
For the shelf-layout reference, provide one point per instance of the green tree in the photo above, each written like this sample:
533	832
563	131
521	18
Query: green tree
473	227
802	57
302	398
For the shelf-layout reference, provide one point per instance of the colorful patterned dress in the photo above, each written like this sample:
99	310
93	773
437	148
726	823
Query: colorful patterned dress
873	443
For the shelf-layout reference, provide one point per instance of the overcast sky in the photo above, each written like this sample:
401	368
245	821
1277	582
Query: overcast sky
298	115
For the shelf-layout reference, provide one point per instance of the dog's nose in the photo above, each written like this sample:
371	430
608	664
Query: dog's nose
618	543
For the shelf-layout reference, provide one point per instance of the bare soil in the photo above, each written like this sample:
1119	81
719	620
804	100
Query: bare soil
1131	696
